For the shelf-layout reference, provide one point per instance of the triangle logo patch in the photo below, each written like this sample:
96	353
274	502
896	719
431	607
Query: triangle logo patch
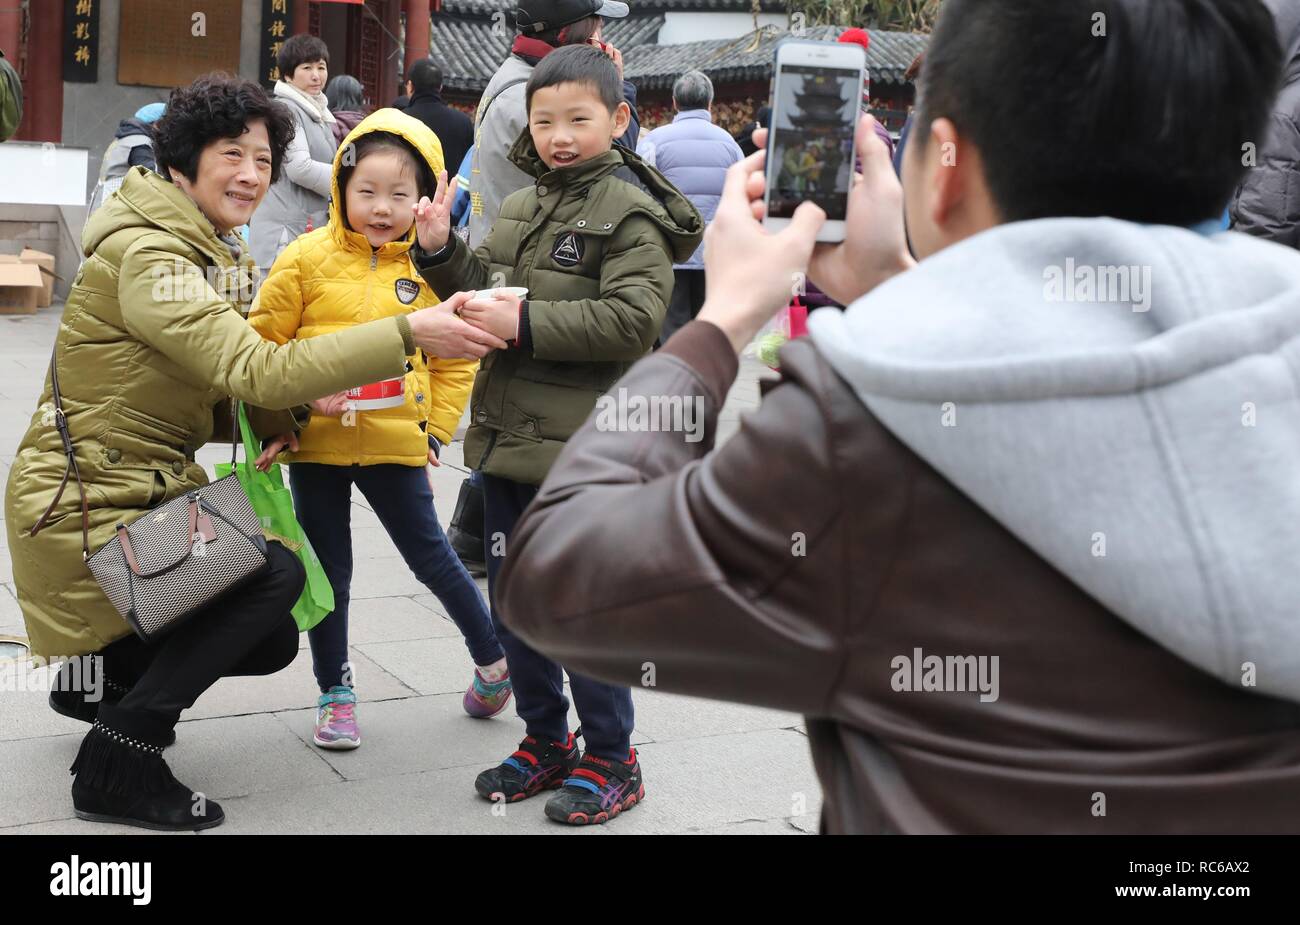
568	250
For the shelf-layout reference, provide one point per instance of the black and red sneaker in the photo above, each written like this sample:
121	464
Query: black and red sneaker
597	791
535	766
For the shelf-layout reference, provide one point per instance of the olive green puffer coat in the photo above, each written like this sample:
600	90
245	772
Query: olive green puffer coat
595	245
146	351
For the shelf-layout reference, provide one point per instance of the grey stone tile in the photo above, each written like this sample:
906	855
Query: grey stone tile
669	717
290	689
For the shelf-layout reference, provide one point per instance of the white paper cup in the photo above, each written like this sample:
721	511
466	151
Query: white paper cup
519	292
389	393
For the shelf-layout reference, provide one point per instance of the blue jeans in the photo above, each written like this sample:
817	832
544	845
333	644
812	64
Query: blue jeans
403	502
605	710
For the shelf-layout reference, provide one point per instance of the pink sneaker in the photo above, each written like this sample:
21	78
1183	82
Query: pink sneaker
336	722
487	698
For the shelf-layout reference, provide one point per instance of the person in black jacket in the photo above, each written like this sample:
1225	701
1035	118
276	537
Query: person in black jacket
1267	205
453	128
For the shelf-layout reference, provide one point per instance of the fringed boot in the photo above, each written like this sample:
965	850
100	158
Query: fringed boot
121	777
71	690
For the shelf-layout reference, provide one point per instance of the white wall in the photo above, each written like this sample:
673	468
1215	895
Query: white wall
680	28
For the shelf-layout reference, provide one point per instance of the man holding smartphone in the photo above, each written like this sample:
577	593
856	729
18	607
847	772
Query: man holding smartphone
1016	530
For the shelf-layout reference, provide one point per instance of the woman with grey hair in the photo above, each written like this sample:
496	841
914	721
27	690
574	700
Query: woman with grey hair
347	102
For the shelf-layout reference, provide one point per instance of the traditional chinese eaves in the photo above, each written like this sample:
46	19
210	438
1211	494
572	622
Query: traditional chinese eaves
470	50
741	59
486	8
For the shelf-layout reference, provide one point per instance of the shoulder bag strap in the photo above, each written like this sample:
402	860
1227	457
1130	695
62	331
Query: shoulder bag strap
61	424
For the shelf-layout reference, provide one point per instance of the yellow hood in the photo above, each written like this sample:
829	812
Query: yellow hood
410	129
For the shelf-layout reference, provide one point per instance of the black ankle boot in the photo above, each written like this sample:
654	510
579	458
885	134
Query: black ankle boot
67	700
121	777
465	532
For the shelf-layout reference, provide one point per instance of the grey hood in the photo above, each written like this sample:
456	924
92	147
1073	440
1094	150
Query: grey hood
1149	449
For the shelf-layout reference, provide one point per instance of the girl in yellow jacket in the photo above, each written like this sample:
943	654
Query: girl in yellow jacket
354	270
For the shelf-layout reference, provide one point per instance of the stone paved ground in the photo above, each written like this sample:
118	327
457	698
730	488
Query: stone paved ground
710	767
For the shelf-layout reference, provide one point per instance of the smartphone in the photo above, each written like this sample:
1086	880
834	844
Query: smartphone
816	105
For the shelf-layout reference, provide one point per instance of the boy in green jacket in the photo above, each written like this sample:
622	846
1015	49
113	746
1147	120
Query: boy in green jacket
594	242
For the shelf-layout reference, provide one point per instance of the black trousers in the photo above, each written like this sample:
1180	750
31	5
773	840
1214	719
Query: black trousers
686	302
247	632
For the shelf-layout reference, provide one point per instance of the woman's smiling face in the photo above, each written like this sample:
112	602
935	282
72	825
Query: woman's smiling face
381	195
233	175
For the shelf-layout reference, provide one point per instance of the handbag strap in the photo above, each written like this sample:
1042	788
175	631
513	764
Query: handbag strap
61	424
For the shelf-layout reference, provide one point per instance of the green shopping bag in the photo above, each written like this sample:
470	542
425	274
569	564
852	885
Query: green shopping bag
274	506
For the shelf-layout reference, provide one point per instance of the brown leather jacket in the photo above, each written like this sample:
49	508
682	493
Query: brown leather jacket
644	547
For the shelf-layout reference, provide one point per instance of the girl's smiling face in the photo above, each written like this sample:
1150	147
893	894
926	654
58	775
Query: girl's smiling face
381	195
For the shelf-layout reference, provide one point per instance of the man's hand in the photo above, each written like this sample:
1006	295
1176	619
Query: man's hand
749	272
499	315
874	248
438	331
273	449
433	217
332	406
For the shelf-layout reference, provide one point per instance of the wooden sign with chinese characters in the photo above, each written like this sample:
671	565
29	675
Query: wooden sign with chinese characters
276	27
162	43
81	41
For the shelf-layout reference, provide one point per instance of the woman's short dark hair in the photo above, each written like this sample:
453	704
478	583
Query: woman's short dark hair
216	106
345	94
300	49
371	142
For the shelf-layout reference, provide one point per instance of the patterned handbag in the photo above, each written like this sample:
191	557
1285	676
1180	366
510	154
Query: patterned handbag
167	564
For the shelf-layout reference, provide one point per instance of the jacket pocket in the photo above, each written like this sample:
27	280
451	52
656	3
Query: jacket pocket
154	427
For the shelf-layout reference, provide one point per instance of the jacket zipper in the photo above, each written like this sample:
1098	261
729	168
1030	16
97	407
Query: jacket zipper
370	281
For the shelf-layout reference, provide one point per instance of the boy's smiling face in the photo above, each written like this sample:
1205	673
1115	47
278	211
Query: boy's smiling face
381	195
570	124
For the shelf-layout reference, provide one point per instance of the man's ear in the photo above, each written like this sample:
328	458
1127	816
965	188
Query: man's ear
622	119
947	186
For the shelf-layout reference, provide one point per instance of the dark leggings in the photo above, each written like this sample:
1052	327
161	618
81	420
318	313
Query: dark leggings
247	632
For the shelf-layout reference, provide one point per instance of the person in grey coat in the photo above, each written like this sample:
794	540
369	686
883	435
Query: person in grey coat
301	196
694	155
1267	204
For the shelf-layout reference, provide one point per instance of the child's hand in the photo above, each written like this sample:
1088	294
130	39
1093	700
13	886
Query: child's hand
499	316
433	459
273	449
332	406
433	217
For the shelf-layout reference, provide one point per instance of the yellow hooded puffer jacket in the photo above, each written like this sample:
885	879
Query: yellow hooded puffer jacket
330	279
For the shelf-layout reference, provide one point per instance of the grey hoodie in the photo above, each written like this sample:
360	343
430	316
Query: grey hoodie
1147	448
1267	204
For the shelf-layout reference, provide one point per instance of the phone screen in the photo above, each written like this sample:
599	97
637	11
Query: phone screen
811	144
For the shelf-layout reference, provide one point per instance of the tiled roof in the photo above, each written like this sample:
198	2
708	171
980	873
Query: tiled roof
470	53
731	60
485	8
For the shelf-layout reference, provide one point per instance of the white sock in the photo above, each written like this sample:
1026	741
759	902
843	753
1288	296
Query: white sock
494	672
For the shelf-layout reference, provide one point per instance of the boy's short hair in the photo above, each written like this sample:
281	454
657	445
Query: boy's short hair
1132	109
426	183
300	49
582	64
216	106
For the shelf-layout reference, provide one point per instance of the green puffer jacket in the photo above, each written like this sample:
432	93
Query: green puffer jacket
147	351
595	245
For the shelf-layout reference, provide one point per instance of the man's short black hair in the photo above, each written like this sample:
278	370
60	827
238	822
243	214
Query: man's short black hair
216	106
425	77
300	49
583	64
1133	109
